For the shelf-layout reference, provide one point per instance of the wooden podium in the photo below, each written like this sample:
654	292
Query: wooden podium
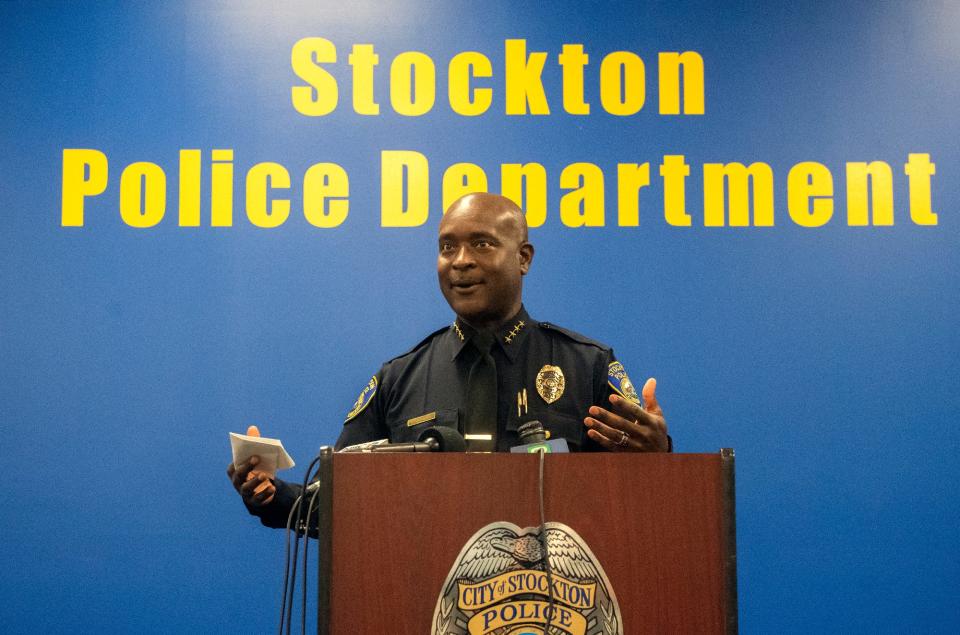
660	525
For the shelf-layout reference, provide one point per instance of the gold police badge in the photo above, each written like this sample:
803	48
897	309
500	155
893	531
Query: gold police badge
500	585
550	383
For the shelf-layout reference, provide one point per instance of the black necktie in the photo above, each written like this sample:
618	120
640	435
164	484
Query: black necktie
480	426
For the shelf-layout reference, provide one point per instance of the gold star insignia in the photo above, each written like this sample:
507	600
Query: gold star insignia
514	331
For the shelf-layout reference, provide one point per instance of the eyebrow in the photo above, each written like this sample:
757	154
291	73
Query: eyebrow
471	236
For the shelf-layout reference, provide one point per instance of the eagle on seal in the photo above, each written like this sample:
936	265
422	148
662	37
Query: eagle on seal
503	547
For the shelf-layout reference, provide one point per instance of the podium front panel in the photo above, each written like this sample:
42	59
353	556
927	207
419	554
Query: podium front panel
660	526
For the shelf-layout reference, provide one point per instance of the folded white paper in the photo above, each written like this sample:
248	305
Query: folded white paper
272	455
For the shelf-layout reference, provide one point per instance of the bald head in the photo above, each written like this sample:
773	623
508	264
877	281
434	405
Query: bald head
492	206
484	254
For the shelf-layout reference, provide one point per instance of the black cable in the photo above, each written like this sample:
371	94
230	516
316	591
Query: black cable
286	567
290	573
306	544
301	529
546	553
288	600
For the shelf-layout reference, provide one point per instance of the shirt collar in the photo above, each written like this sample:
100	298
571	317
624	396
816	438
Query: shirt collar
509	336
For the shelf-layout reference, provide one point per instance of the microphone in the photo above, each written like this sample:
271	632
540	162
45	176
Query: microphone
366	446
433	439
445	439
532	432
533	438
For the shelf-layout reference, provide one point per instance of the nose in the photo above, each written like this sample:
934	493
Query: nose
462	259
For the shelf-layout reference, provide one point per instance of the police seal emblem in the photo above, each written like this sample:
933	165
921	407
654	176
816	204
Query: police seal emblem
618	380
364	399
550	383
499	586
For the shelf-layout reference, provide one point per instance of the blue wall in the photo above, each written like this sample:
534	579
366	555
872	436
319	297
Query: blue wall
828	357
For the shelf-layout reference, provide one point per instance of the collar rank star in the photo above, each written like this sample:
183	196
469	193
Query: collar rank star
514	332
550	383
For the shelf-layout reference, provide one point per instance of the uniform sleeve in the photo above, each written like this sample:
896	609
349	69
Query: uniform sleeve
275	513
618	382
365	420
603	389
601	395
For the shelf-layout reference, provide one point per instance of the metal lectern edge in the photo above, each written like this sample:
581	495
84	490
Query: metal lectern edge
729	528
325	541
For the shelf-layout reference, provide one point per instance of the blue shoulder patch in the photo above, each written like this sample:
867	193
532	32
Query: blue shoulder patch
618	380
366	396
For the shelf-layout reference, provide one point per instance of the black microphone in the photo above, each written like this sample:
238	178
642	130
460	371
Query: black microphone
533	438
446	439
532	432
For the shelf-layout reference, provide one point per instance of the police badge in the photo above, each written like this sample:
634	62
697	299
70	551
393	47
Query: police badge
499	586
550	383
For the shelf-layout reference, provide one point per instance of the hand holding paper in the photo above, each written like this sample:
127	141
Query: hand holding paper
272	455
249	451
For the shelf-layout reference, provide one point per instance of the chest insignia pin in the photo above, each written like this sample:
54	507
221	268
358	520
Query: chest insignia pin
550	383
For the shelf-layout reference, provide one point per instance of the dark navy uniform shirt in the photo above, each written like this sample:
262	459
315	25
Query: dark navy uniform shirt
428	385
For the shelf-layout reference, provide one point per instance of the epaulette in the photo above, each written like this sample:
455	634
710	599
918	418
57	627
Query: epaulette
573	335
422	343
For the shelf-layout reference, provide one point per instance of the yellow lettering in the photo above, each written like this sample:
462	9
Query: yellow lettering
675	171
514	178
460	179
260	178
324	181
412	96
463	67
143	194
404	172
189	215
77	186
740	178
630	178
523	85
622	97
584	205
810	180
693	91
880	177
320	96
363	60
920	169
573	59
221	188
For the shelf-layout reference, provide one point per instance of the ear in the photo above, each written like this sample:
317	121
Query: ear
526	258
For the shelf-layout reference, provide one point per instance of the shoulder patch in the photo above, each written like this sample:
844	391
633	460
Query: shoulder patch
618	380
366	396
573	335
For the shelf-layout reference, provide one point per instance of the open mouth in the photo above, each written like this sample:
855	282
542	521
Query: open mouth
466	285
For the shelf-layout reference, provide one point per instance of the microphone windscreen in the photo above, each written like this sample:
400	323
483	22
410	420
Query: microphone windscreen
531	432
448	439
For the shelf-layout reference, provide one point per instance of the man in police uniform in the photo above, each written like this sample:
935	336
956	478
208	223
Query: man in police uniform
493	369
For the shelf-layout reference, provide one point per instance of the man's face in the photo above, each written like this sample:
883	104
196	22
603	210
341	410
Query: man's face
482	259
